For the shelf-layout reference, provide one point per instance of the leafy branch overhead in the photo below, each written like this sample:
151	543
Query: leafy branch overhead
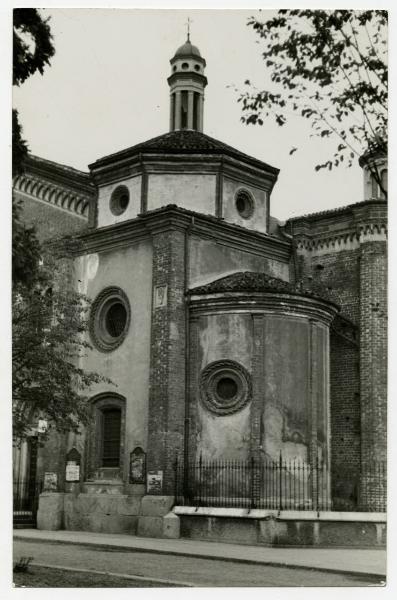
329	67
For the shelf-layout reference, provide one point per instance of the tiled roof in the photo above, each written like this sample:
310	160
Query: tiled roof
184	141
334	211
247	281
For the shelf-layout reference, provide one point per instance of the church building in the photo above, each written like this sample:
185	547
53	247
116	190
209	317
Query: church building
249	356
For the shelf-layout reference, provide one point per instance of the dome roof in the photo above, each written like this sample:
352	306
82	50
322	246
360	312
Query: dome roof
187	50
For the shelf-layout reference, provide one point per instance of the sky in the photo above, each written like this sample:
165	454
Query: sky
106	90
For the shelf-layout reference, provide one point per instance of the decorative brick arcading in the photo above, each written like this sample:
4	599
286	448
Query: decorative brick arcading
167	363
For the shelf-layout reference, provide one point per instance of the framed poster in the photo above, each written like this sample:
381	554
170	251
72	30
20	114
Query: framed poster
137	465
50	482
155	482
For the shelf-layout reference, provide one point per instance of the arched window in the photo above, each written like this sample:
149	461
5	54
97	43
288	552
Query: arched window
111	435
105	437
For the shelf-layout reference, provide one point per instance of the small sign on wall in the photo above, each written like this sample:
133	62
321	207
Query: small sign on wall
50	482
160	296
155	482
137	465
72	472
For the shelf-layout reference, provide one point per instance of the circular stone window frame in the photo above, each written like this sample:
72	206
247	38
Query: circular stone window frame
100	337
249	209
209	379
115	205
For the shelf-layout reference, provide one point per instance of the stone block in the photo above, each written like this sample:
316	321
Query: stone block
269	529
51	511
156	506
171	526
129	505
150	527
335	533
100	523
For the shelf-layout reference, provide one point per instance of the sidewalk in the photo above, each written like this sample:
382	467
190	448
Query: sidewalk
338	560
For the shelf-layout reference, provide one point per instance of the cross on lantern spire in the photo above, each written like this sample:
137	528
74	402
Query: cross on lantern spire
189	20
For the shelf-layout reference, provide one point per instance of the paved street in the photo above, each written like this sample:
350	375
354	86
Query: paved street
196	571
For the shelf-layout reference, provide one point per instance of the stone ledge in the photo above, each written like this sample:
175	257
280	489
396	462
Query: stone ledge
287	515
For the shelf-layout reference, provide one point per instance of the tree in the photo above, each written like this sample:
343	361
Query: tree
49	318
50	321
329	67
32	51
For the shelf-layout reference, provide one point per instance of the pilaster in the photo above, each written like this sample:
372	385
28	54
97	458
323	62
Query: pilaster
167	362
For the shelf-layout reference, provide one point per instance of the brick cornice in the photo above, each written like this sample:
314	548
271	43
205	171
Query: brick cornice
263	303
183	162
62	175
174	218
57	194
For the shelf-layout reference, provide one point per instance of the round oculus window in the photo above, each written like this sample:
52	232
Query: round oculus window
197	67
109	319
244	204
225	387
185	66
119	200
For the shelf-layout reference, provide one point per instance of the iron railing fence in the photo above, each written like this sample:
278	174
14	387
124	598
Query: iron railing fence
279	485
25	500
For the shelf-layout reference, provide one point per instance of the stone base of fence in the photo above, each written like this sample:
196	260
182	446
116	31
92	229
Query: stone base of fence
283	528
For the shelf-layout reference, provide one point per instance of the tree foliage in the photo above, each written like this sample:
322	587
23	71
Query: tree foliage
32	51
50	323
49	318
329	67
32	44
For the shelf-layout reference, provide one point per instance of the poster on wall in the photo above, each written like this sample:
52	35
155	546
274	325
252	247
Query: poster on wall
137	465
155	482
50	482
72	471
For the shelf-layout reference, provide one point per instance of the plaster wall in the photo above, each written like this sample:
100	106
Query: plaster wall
128	365
286	388
209	260
224	337
105	216
291	397
191	191
258	220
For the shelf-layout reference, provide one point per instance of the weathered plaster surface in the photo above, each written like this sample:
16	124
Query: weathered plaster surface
105	216
193	191
210	260
258	220
286	388
225	337
128	365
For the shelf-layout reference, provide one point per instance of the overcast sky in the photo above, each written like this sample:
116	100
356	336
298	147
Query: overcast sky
106	89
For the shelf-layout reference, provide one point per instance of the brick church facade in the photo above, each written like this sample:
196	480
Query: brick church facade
230	336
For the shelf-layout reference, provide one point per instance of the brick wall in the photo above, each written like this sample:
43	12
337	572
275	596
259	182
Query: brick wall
49	221
356	280
373	360
167	363
338	275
